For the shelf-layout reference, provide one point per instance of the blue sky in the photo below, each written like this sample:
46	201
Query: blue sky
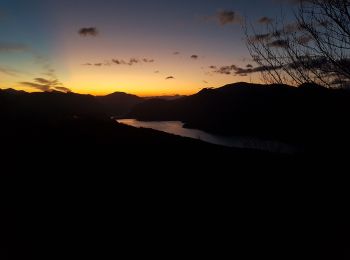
44	37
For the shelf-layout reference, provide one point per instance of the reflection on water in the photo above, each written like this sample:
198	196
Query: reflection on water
176	128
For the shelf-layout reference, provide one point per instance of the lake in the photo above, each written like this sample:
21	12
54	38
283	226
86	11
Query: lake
176	128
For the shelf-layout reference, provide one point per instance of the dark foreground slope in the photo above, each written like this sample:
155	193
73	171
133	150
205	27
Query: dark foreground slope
309	116
82	186
103	224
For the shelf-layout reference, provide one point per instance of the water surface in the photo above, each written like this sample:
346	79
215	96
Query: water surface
176	128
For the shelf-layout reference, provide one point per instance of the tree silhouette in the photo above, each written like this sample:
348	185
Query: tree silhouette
314	48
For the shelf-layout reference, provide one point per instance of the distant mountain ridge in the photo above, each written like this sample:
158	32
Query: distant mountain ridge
116	104
119	103
293	114
56	104
67	125
302	115
309	116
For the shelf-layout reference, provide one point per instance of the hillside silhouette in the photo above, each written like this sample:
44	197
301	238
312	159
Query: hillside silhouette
81	124
17	105
95	178
309	115
119	103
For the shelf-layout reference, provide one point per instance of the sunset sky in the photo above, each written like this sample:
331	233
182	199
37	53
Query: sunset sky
144	47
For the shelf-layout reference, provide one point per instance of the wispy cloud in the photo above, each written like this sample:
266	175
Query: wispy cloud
228	17
176	53
145	60
170	77
46	81
304	39
37	86
130	62
260	37
46	85
265	20
63	89
239	71
271	38
278	44
119	62
225	17
305	62
9	71
50	81
88	31
12	47
225	69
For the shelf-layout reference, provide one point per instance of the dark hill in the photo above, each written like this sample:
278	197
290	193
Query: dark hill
119	103
79	125
19	104
296	115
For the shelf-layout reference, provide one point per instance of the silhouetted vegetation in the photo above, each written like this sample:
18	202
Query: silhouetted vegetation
314	48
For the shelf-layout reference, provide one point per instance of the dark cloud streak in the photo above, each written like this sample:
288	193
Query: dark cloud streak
239	71
8	71
13	47
265	20
228	17
130	62
63	89
46	85
44	88
278	44
88	31
304	62
225	17
145	60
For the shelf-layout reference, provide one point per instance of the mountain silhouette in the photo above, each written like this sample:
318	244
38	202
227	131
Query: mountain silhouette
19	104
55	120
119	103
41	103
300	115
